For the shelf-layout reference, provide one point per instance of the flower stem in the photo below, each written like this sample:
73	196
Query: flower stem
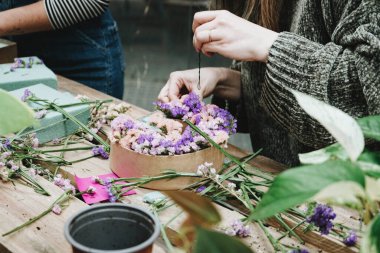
83	126
216	145
66	149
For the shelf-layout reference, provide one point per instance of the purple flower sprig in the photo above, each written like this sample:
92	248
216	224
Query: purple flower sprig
6	144
100	151
27	95
21	64
238	228
351	239
322	218
188	105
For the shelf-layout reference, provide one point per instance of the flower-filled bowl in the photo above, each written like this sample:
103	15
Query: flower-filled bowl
141	149
128	163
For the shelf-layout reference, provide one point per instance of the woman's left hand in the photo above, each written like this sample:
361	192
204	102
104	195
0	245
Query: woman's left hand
231	36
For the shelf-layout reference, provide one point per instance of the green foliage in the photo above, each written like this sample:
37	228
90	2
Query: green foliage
371	239
340	125
333	151
369	163
200	209
14	114
370	126
216	242
298	185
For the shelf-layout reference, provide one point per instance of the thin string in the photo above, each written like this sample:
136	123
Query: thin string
199	70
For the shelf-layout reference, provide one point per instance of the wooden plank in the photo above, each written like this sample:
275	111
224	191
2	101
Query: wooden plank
8	51
19	203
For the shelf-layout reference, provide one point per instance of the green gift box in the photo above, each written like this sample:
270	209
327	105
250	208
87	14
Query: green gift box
55	125
26	76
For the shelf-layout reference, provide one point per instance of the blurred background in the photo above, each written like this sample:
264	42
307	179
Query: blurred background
157	40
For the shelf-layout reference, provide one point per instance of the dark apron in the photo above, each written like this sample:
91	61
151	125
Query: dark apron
89	52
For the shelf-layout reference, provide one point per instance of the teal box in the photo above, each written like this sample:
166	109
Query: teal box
24	77
54	124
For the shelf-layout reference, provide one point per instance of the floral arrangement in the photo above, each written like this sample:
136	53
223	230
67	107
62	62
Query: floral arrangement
163	135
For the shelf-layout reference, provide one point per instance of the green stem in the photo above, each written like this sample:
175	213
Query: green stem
34	183
165	237
87	103
66	149
81	160
83	126
288	229
273	241
60	199
213	143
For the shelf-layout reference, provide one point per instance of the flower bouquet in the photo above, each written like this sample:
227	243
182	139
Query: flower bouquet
163	142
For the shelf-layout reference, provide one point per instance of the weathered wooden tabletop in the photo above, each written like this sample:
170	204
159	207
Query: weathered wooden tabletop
18	203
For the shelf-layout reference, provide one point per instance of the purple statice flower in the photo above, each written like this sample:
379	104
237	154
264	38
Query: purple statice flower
193	102
238	228
200	189
299	251
129	124
173	109
228	122
111	192
351	239
27	94
99	150
6	144
322	217
64	184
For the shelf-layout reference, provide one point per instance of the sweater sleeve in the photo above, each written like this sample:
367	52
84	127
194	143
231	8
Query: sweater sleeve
64	13
343	73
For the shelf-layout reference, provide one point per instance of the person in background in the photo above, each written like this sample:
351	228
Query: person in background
329	49
76	39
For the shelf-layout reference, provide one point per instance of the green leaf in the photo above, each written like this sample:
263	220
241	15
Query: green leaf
371	239
324	154
344	193
216	242
297	185
369	162
342	126
199	208
14	114
370	126
373	189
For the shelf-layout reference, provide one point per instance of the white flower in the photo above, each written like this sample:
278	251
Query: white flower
91	189
231	186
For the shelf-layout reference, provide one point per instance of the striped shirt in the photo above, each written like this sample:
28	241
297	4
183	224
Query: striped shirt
64	13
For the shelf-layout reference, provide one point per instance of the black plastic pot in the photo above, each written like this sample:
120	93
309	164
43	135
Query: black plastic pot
112	228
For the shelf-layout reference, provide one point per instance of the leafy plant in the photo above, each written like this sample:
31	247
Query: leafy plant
14	114
343	173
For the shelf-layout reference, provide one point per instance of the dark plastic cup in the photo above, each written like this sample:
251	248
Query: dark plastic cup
112	228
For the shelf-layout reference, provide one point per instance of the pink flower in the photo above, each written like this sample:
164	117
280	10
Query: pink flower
56	209
35	142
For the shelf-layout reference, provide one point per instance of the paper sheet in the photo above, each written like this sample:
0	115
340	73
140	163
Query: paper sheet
101	193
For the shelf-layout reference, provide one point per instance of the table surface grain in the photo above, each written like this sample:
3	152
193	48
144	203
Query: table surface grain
18	203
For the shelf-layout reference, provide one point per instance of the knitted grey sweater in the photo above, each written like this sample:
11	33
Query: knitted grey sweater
331	50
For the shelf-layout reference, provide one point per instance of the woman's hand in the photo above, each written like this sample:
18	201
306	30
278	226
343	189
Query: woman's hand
231	36
225	82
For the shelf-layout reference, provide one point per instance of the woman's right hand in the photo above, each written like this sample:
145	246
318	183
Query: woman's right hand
188	79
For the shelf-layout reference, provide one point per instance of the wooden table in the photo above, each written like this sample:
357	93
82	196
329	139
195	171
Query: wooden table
18	203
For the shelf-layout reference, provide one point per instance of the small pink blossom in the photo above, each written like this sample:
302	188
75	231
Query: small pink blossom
56	209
